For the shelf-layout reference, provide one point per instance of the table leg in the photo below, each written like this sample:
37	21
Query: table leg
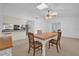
44	52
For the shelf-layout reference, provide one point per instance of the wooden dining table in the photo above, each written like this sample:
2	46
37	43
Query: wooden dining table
44	38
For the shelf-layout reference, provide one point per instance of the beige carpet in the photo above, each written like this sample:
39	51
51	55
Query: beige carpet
70	47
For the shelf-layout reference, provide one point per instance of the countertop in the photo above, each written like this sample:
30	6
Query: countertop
5	42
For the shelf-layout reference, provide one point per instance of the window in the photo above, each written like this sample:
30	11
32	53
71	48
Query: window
56	26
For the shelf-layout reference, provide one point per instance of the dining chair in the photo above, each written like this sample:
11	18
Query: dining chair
33	44
56	41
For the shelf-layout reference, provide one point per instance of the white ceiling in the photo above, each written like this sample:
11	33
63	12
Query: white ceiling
29	9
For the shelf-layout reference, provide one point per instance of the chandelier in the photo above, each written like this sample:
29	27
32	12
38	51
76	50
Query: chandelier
51	14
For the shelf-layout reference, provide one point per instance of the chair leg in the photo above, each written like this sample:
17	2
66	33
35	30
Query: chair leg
57	48
29	50
33	52
49	44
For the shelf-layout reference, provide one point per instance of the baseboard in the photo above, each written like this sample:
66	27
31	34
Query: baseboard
69	37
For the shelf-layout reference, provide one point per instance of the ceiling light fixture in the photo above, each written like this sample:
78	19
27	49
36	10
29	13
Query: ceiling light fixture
42	6
51	14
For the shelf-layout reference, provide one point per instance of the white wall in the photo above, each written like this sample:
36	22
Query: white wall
13	20
68	16
1	19
69	26
40	24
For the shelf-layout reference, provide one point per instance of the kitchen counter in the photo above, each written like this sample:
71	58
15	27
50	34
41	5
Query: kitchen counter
16	35
5	42
5	45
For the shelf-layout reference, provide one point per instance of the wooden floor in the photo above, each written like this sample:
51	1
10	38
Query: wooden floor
70	47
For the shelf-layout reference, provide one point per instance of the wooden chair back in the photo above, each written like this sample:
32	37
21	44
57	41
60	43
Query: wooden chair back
59	36
31	38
